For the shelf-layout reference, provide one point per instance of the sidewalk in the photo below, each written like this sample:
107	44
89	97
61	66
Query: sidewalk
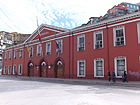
76	81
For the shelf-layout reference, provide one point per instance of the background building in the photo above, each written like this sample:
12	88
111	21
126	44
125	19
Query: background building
8	39
117	10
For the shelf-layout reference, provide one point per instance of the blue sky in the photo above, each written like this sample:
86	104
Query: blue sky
20	15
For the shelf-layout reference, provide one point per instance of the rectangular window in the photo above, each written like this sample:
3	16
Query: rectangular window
138	31
20	53
81	43
20	69
119	36
39	50
30	50
98	40
48	48
4	71
14	69
5	55
9	69
99	67
120	66
81	68
10	55
58	46
15	54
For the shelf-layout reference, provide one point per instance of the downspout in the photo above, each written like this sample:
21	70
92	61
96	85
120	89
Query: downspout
69	55
72	55
24	65
108	50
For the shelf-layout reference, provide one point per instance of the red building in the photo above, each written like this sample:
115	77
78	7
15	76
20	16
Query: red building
87	52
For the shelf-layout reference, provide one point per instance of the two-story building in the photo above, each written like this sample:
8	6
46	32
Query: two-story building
87	52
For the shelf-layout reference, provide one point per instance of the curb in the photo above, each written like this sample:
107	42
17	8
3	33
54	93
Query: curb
75	81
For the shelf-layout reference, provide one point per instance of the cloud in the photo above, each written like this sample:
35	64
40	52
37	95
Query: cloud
20	15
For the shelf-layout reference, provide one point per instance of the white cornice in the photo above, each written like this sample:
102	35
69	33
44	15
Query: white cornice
102	24
49	27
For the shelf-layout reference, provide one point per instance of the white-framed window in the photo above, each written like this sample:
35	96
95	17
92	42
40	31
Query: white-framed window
9	69
120	66
10	54
81	43
99	67
39	50
48	48
4	71
30	50
81	68
119	36
20	53
59	46
98	40
14	69
138	31
15	53
20	69
5	55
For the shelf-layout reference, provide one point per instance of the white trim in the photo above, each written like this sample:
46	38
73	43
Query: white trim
15	53
61	40
9	69
20	54
4	70
95	60
112	21
31	47
84	31
106	22
78	68
94	40
78	45
138	31
59	63
43	63
10	54
14	69
47	48
122	23
41	34
115	63
39	52
20	71
45	26
31	64
114	34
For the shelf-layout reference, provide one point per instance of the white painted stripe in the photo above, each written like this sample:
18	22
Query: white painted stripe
124	22
129	21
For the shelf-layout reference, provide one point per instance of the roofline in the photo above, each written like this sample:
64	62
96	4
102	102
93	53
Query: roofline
53	27
109	21
56	27
105	22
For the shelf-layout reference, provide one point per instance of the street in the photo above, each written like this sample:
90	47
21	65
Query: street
21	92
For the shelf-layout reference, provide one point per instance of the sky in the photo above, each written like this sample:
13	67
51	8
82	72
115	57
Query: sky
21	15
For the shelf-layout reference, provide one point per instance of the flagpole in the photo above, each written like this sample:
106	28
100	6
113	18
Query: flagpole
39	35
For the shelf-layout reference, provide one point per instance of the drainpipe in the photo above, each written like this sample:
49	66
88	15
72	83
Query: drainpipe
108	50
69	55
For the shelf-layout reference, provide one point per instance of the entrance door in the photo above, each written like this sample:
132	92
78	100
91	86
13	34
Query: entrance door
59	69
43	69
30	69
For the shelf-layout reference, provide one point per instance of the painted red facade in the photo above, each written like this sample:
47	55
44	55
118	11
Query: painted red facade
70	61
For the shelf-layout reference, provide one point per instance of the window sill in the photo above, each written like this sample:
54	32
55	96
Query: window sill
81	76
99	76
